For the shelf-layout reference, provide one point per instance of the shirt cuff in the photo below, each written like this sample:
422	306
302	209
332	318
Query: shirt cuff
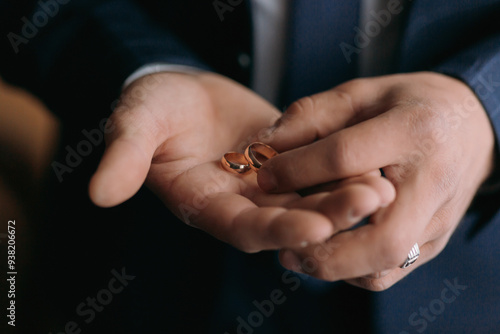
157	68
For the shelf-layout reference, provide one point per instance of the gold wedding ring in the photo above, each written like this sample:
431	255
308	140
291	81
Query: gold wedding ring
235	163
257	153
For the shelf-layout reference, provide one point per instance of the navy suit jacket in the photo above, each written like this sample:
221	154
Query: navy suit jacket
79	59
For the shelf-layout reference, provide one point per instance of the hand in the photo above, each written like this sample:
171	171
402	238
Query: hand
429	134
171	130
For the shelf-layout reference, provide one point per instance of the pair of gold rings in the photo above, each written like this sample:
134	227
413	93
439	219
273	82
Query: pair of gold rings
255	155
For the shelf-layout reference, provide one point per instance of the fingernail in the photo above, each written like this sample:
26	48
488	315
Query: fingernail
266	179
291	261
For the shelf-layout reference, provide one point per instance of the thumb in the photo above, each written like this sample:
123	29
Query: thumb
123	167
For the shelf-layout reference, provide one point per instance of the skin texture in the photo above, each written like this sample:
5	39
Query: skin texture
170	131
434	142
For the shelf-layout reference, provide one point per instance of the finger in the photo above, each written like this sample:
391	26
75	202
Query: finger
249	228
215	201
330	186
383	280
382	186
386	279
349	204
123	167
356	150
382	244
316	116
437	242
377	275
344	207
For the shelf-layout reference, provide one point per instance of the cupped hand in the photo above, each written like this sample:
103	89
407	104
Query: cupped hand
170	131
428	133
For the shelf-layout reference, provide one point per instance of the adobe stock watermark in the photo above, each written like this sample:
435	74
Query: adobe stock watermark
429	313
219	180
95	137
264	309
84	148
89	309
46	10
372	29
484	87
221	7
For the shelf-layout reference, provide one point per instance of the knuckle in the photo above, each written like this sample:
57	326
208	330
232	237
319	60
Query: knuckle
392	252
343	96
425	119
378	274
375	284
321	269
302	106
246	248
325	273
441	223
445	180
354	85
340	157
243	244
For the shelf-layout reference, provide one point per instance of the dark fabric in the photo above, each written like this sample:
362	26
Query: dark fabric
317	28
187	282
89	47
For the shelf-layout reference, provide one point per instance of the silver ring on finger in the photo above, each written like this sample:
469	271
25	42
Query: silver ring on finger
412	256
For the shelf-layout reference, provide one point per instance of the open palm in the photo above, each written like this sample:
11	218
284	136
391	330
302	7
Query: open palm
171	131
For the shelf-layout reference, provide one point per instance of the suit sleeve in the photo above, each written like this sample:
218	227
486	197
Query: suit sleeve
479	67
78	53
